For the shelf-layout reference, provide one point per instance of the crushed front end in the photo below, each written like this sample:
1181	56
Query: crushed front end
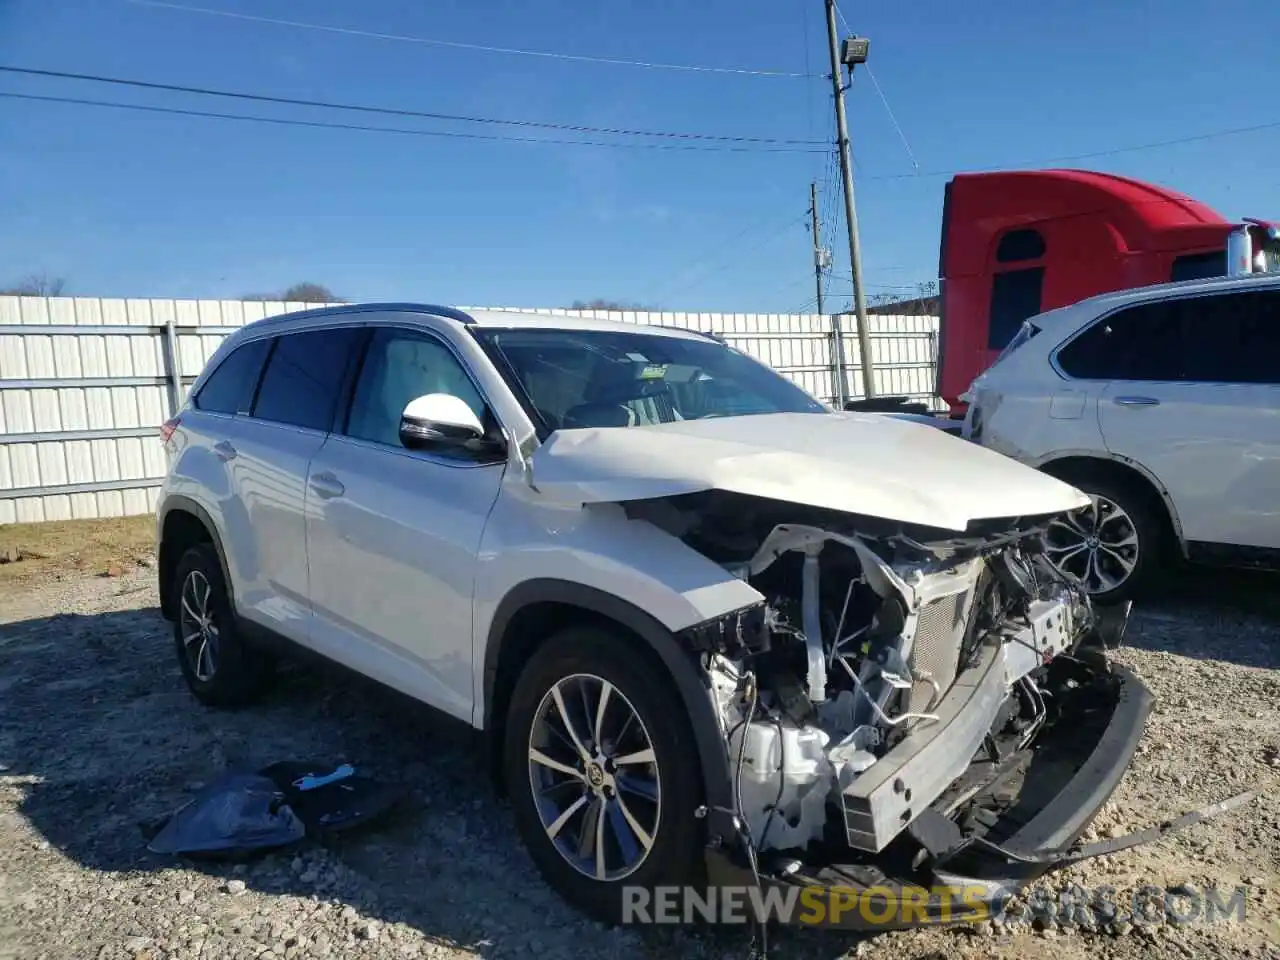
907	710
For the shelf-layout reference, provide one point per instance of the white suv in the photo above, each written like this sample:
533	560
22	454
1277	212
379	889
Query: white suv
708	629
1163	404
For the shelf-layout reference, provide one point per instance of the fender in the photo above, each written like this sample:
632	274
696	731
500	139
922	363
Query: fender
187	505
1048	460
691	683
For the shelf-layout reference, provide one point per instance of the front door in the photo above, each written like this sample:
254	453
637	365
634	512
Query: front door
393	533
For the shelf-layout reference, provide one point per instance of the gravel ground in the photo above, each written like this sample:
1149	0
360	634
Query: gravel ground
97	733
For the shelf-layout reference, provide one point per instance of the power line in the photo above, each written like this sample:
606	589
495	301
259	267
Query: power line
776	291
712	254
846	278
724	266
831	207
394	112
893	119
1069	158
808	99
828	217
450	134
1093	155
843	22
482	48
883	99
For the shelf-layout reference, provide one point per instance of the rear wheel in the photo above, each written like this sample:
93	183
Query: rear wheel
219	667
1115	546
603	792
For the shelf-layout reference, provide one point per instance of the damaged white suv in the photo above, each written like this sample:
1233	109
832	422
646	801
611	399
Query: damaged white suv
712	631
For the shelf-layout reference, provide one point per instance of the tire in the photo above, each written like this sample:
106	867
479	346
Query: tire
1128	515
578	661
220	668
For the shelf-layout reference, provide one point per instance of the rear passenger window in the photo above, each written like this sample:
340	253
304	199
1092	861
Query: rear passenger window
229	389
1144	342
304	377
1220	338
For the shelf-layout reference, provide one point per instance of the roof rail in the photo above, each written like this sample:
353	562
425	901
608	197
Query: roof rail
435	310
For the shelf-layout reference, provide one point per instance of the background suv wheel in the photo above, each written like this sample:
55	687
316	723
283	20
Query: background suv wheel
1116	545
602	778
219	667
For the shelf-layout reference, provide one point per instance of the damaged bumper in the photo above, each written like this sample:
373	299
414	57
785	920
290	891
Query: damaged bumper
942	878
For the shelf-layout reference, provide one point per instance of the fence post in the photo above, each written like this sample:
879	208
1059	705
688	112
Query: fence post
837	363
172	368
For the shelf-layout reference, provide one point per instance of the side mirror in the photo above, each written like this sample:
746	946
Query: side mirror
439	419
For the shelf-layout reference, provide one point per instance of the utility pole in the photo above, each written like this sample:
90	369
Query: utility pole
819	254
821	261
855	52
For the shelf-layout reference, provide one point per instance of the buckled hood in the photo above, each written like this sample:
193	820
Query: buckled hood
863	463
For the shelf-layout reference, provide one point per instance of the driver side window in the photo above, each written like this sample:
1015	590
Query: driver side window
400	366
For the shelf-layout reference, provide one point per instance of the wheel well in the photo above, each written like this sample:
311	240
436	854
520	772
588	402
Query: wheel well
530	627
1078	469
181	532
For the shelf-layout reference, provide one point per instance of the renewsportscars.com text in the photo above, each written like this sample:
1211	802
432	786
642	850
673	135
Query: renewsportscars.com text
912	906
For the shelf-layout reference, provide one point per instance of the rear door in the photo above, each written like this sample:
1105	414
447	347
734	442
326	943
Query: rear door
393	534
268	457
212	426
1193	395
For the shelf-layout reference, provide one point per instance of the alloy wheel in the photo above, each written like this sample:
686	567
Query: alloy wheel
594	777
1097	544
199	627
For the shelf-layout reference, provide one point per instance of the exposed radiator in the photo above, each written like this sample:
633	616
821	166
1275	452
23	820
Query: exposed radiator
936	648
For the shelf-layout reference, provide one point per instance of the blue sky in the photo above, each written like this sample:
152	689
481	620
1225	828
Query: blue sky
132	204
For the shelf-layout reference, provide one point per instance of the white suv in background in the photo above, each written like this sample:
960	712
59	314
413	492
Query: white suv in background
1163	404
709	630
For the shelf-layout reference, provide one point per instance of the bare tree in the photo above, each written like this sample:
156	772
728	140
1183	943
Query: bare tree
305	292
310	293
36	285
925	303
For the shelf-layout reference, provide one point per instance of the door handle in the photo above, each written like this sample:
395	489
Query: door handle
224	451
327	486
1137	401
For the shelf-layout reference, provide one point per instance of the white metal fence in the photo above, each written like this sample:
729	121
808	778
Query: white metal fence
85	383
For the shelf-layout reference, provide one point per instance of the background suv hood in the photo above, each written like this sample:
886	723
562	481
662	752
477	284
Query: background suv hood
862	463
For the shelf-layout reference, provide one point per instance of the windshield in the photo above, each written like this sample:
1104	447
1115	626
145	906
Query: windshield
573	378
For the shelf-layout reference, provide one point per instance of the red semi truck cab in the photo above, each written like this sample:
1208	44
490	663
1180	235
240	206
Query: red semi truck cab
1018	243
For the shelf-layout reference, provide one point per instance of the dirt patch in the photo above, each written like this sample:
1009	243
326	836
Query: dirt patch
97	733
38	551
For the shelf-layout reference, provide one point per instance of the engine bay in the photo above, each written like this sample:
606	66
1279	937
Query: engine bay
882	658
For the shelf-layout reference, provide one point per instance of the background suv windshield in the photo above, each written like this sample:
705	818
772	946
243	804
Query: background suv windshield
572	378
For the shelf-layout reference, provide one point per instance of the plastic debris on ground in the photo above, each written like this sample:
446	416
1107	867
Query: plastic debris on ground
241	814
233	817
330	800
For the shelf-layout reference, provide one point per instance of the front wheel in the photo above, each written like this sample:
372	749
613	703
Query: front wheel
602	777
1114	546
